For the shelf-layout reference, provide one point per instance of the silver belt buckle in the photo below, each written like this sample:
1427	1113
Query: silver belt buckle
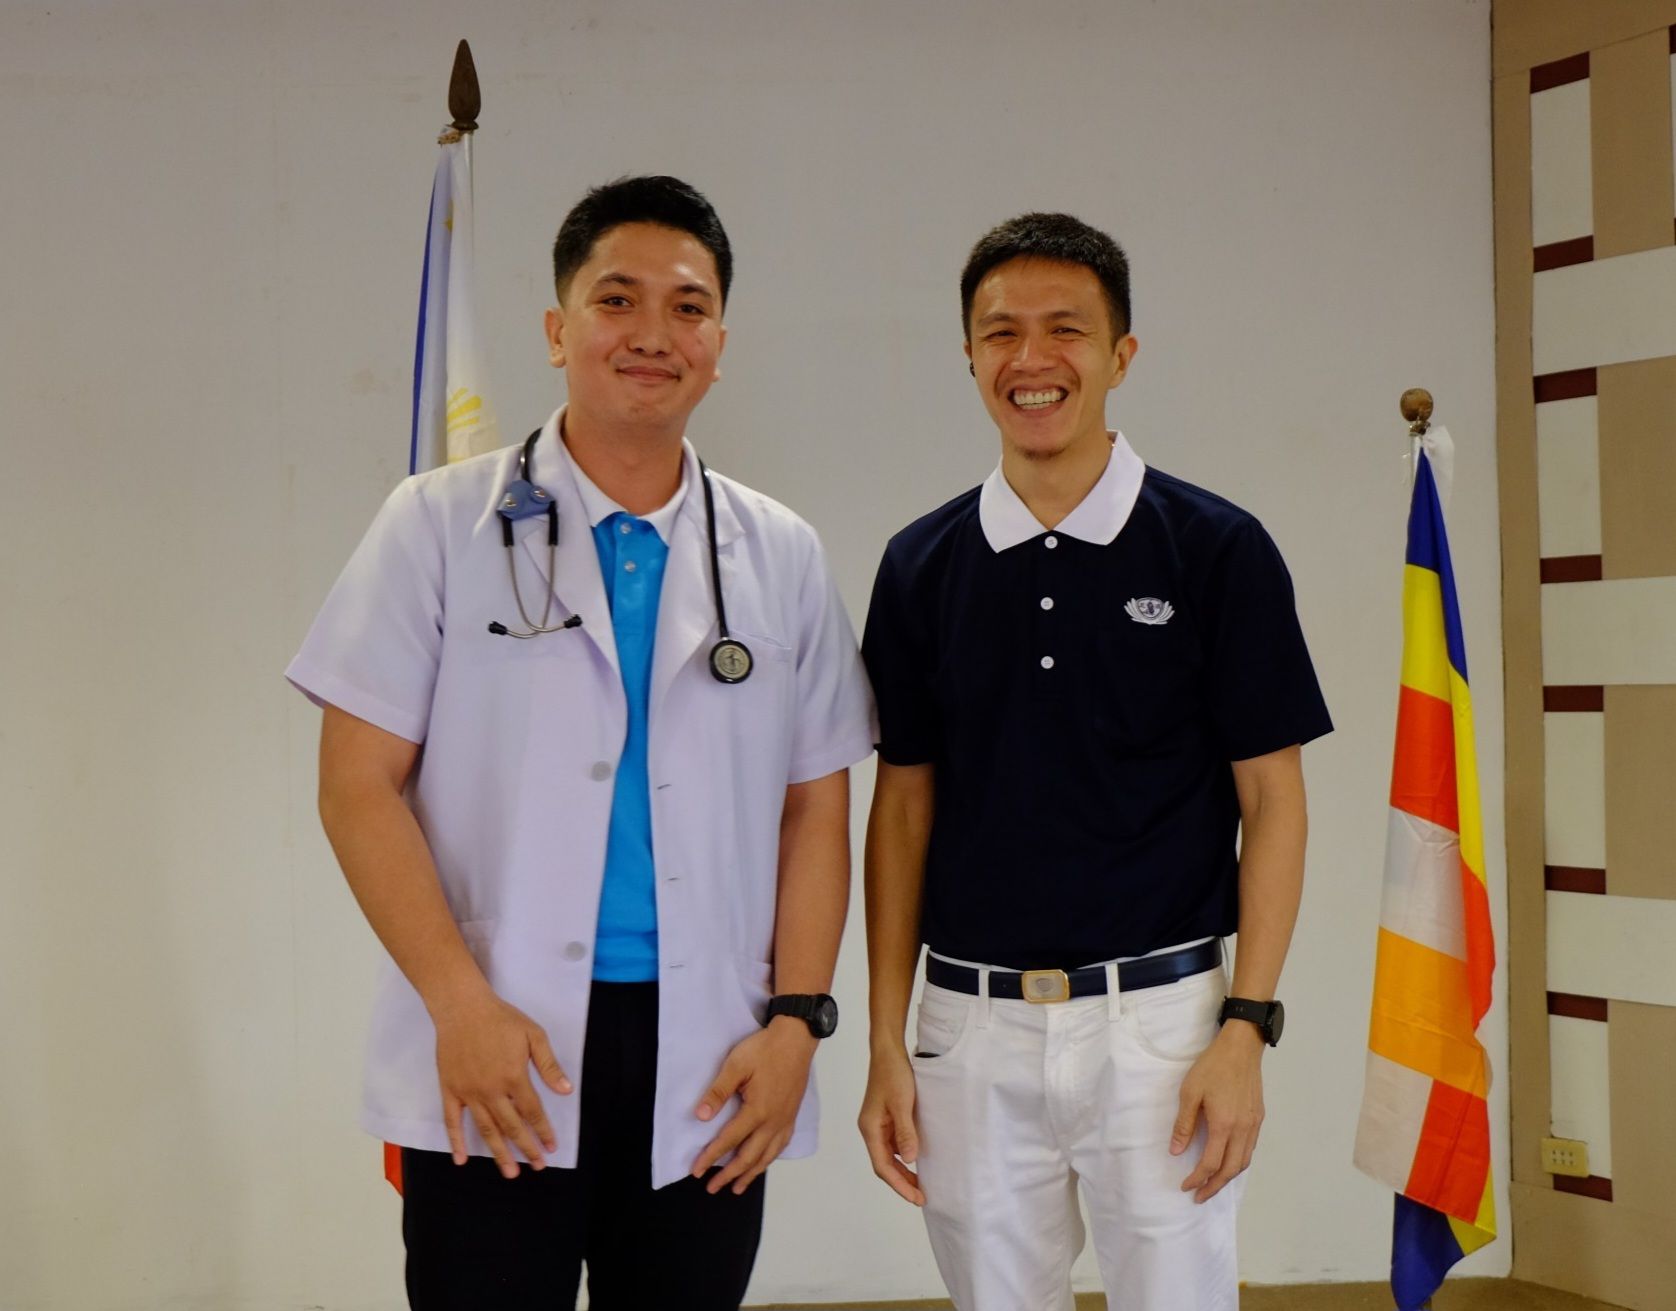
1040	986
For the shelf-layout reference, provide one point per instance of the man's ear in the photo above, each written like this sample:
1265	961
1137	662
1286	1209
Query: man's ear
721	345
971	364
1123	355
553	321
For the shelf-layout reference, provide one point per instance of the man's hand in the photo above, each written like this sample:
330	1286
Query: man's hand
887	1122
1226	1084
769	1071
484	1050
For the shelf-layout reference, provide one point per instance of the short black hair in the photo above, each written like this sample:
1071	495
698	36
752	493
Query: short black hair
666	201
1050	236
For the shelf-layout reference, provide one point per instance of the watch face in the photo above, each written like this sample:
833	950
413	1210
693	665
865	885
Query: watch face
1277	1022
824	1021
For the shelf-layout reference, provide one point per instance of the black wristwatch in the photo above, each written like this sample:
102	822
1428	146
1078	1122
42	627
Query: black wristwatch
1268	1016
817	1010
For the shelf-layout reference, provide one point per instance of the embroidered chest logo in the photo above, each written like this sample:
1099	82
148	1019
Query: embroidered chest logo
1149	610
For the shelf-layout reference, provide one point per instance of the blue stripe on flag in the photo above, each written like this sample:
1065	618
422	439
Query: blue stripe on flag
1423	1247
1428	548
419	344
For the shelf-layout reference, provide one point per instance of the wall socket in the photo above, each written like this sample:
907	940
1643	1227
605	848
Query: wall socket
1565	1156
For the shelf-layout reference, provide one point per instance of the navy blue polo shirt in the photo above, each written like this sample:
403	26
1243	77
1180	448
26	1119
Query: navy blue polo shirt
1081	694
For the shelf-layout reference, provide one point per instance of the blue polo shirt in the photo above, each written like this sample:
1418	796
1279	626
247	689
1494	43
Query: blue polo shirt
1082	694
632	554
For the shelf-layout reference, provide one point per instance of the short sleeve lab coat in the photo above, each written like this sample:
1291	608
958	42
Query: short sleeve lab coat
521	741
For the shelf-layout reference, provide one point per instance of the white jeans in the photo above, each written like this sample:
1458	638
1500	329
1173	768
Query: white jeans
1019	1103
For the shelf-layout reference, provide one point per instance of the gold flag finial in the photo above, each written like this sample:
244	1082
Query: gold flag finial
1417	409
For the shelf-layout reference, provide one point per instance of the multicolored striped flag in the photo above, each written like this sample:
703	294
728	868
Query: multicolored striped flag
451	415
1425	1126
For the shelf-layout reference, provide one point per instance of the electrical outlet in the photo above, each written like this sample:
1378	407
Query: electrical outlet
1565	1156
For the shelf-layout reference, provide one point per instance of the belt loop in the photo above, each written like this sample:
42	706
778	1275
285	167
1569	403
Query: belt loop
1114	995
983	998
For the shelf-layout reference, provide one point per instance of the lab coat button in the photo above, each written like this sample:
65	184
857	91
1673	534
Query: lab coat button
574	951
600	770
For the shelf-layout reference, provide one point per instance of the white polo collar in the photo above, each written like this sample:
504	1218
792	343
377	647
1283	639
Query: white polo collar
599	507
1098	518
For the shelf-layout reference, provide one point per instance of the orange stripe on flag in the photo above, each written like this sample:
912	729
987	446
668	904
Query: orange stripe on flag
393	1166
1423	771
1453	1158
1480	940
1422	1014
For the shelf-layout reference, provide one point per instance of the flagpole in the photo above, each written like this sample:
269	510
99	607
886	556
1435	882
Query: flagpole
1416	406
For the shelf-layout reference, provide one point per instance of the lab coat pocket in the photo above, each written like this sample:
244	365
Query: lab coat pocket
756	979
1176	1022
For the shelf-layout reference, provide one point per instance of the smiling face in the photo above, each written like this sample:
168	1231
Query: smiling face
1042	348
638	331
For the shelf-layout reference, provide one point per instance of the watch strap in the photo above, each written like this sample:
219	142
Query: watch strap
1259	1013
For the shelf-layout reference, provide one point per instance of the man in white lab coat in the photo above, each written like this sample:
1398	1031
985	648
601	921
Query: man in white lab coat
589	712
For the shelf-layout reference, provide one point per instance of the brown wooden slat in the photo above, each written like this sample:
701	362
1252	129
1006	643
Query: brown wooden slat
1571	569
1576	700
1566	386
1559	254
1594	1186
1545	77
1577	1008
1569	878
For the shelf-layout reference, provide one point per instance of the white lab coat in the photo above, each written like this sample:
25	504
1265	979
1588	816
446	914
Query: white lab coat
521	742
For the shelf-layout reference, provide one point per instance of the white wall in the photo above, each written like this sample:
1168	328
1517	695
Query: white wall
210	229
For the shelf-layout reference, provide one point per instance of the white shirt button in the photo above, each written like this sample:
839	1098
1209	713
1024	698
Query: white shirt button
1047	603
1051	542
625	528
629	566
574	951
599	771
1047	662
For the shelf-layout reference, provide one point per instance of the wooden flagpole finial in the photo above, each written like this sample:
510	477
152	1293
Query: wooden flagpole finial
1417	409
465	99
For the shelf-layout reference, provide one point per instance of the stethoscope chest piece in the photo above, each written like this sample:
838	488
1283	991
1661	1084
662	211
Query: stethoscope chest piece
730	661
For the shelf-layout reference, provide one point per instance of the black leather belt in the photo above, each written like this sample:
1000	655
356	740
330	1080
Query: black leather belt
1062	985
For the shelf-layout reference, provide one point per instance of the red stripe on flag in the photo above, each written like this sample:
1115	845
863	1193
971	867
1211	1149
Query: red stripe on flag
393	1166
1423	772
1453	1157
1480	941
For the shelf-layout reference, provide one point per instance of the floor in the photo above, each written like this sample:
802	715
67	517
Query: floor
1456	1295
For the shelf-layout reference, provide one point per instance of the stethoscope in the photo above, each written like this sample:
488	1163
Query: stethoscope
730	659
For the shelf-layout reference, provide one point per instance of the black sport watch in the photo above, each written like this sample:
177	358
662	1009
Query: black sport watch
1268	1016
817	1010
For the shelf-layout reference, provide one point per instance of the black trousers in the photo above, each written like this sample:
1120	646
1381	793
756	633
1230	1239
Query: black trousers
480	1242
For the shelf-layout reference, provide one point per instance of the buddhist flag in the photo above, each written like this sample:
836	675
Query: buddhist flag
1425	1126
451	414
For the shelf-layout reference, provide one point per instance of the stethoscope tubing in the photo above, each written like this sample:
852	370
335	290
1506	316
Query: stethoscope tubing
730	659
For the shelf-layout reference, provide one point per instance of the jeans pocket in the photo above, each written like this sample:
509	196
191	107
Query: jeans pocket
1175	1022
941	1023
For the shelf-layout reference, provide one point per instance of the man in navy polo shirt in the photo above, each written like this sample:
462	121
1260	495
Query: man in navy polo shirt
1092	692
